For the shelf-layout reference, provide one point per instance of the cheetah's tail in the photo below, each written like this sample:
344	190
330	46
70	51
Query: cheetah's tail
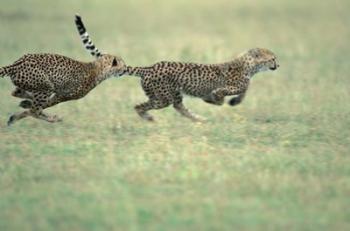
4	71
137	71
85	37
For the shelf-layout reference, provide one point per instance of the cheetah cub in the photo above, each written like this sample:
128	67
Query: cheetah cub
165	82
44	80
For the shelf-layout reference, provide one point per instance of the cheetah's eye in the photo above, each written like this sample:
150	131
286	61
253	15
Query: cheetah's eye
115	62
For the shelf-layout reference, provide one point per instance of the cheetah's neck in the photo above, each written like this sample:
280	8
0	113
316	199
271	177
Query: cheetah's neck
248	68
99	73
238	66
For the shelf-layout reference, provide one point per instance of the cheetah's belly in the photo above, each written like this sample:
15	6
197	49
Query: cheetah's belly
73	92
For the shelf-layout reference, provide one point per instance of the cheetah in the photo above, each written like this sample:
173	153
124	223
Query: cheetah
45	80
164	83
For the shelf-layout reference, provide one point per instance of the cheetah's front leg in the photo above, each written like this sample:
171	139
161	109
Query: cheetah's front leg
217	96
213	100
187	113
178	105
236	100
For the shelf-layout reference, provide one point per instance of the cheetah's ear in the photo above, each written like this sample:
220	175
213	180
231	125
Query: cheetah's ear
115	62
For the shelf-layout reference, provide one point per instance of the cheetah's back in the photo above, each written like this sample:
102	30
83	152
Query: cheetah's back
40	72
190	78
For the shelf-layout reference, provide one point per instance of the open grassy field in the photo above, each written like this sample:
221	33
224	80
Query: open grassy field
278	161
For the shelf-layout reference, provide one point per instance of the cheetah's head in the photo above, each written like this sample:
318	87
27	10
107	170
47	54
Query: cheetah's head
111	65
260	59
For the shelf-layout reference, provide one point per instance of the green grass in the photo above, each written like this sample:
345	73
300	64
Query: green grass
279	161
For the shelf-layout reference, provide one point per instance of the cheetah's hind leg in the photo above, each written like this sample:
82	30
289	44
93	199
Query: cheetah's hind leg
23	94
17	116
41	100
26	104
143	108
39	115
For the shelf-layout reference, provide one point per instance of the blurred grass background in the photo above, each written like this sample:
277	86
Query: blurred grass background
279	161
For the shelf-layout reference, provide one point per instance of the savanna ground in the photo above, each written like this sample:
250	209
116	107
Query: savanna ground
278	161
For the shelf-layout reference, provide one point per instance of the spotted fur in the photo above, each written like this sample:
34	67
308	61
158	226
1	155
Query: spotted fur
165	82
44	80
